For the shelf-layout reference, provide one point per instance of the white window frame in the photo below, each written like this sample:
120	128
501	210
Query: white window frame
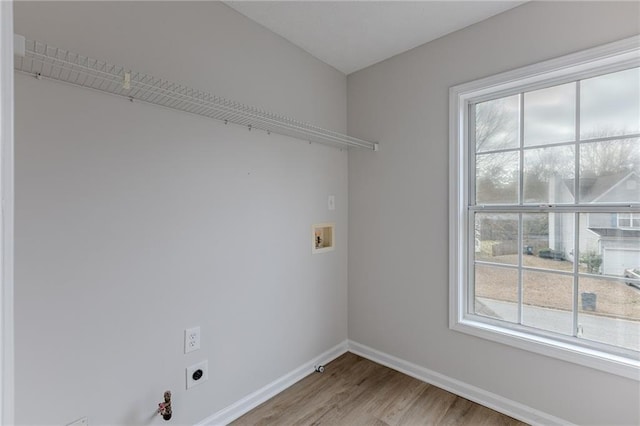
6	215
603	59
631	217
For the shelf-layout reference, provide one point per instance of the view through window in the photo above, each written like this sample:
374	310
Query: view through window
553	210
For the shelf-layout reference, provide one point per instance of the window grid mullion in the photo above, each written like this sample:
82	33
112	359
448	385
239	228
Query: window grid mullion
521	202
520	270
567	208
471	276
566	143
521	130
576	215
471	217
471	139
576	260
576	177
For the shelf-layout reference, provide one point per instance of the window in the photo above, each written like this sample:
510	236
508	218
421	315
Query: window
629	220
545	163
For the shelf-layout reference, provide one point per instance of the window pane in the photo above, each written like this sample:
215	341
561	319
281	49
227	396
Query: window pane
548	301
624	220
606	171
497	124
496	237
496	292
609	312
548	240
606	247
549	115
548	175
610	104
497	178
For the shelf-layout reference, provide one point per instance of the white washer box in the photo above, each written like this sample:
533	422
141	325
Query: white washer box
323	237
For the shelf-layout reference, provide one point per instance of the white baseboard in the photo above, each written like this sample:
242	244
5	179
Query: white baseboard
249	402
472	393
488	399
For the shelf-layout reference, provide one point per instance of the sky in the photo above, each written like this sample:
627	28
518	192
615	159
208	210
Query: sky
609	105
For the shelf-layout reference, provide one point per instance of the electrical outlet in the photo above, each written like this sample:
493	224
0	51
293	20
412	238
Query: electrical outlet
80	422
197	374
191	339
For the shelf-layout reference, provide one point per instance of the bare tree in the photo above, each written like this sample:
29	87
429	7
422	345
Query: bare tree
609	157
496	124
496	128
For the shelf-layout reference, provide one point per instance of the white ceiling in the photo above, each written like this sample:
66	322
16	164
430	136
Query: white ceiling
351	35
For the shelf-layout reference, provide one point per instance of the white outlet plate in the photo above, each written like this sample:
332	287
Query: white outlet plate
331	202
80	422
191	339
204	366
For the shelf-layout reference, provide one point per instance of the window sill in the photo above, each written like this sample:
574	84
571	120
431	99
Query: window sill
618	365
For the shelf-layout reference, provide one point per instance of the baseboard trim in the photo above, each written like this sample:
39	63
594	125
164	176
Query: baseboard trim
488	399
249	402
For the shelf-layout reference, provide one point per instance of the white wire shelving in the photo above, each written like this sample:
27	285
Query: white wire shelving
45	61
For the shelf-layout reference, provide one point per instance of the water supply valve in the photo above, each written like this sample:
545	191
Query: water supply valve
164	408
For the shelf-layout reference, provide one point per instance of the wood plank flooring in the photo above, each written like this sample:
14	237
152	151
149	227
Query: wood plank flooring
356	391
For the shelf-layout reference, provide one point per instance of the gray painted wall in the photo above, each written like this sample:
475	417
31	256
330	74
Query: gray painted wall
398	203
134	222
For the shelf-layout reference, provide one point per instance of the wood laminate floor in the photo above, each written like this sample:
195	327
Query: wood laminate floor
356	391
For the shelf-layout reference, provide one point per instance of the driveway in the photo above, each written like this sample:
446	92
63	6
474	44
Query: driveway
615	331
555	291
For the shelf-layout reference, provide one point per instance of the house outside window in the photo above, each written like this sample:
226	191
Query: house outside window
545	208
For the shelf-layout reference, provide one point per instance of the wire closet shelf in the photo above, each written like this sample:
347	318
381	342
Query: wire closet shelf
45	61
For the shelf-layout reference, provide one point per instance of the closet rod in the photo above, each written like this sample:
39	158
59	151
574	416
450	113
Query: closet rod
45	61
